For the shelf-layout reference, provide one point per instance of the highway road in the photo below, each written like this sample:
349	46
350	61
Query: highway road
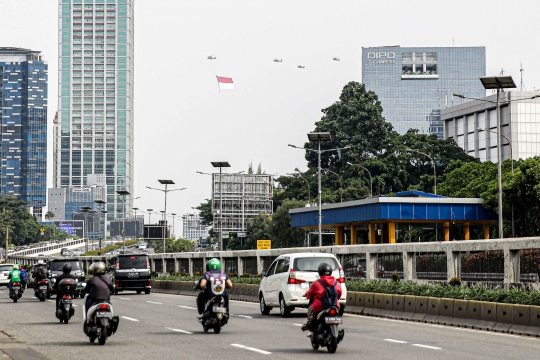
164	326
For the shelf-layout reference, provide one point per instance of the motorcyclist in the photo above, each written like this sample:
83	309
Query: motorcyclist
316	293
23	278
66	274
213	269
99	287
14	275
40	273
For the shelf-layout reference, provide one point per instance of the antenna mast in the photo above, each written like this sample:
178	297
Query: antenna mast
522	84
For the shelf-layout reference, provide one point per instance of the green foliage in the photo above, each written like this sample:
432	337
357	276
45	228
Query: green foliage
455	281
235	279
205	212
396	277
106	249
283	235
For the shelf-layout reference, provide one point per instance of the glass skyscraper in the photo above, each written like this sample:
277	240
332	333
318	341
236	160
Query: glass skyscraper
23	105
95	93
415	83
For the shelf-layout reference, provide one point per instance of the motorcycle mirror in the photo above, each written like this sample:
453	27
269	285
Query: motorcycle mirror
263	273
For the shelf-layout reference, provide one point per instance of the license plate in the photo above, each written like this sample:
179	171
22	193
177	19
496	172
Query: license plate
103	314
219	309
15	288
333	320
67	306
43	287
133	275
67	301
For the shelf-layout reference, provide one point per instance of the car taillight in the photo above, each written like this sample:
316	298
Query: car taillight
15	284
117	285
150	283
104	307
66	297
341	276
42	282
148	264
118	265
332	312
293	280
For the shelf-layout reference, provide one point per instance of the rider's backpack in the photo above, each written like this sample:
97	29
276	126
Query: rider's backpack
216	282
330	295
41	273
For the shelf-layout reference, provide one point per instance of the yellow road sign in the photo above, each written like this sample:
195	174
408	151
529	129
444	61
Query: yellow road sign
264	244
42	229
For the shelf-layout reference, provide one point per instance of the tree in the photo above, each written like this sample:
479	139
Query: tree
23	227
259	228
205	212
49	215
283	235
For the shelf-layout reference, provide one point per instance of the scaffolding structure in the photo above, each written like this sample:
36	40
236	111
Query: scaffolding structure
244	197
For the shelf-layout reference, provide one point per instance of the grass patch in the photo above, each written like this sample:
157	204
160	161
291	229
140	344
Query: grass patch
106	249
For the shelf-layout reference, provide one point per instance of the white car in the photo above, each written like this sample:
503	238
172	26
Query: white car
5	269
289	277
77	252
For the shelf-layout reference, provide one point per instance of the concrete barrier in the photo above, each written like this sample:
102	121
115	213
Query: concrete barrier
359	303
474	314
446	311
488	315
398	306
420	309
376	309
351	302
410	307
433	310
387	304
505	313
460	312
521	319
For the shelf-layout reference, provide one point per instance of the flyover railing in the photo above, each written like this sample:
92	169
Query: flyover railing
506	260
41	249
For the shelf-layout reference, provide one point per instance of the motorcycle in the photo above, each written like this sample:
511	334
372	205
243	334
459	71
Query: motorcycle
215	313
102	322
327	333
15	292
41	290
65	309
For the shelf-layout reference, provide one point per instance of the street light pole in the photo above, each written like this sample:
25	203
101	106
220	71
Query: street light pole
434	168
220	164
307	183
370	178
124	193
320	136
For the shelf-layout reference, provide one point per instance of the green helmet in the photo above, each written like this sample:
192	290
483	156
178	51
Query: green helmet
16	267
214	264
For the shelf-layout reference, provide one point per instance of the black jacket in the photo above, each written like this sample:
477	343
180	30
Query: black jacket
99	287
60	278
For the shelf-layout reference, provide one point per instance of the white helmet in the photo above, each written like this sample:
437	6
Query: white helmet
41	262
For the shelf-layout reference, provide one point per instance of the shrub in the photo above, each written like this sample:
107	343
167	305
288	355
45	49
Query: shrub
455	281
396	277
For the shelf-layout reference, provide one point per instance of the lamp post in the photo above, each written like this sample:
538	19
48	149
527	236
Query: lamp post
434	168
307	183
220	165
85	210
370	178
165	182
319	137
173	215
497	82
101	204
512	164
340	184
104	212
149	213
124	193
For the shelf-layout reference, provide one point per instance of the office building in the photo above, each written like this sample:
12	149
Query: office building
23	105
193	229
95	95
520	123
414	83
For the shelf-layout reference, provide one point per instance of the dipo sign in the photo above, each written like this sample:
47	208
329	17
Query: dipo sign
381	57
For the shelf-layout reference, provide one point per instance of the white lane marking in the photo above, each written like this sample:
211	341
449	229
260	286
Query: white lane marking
128	318
125	299
396	341
243	316
298	324
75	305
1	292
252	349
427	347
153	302
187	307
180	331
50	300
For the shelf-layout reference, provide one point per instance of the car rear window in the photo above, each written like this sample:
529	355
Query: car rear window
132	262
57	265
6	267
312	263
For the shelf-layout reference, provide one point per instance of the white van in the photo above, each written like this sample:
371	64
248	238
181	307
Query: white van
289	277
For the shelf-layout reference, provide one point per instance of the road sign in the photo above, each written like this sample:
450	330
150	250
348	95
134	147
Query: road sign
42	229
264	244
241	234
225	236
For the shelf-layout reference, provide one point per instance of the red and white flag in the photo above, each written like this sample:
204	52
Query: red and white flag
225	83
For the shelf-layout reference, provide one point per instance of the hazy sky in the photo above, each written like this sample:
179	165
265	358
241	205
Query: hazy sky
182	121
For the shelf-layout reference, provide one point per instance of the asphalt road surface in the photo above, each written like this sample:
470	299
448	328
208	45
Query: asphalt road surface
164	326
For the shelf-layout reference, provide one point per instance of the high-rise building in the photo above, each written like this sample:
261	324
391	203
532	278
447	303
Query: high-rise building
193	229
95	93
414	83
23	105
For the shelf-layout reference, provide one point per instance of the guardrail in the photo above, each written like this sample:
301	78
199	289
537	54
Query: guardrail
254	261
41	249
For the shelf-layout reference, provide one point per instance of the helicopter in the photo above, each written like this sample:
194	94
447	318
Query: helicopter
211	57
335	59
277	60
301	66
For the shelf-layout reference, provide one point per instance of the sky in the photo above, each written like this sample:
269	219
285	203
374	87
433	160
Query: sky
182	120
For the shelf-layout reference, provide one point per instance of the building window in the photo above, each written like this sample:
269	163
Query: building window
419	66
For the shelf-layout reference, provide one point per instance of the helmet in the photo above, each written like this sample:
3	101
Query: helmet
66	269
324	269
214	264
41	262
16	267
91	268
99	268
